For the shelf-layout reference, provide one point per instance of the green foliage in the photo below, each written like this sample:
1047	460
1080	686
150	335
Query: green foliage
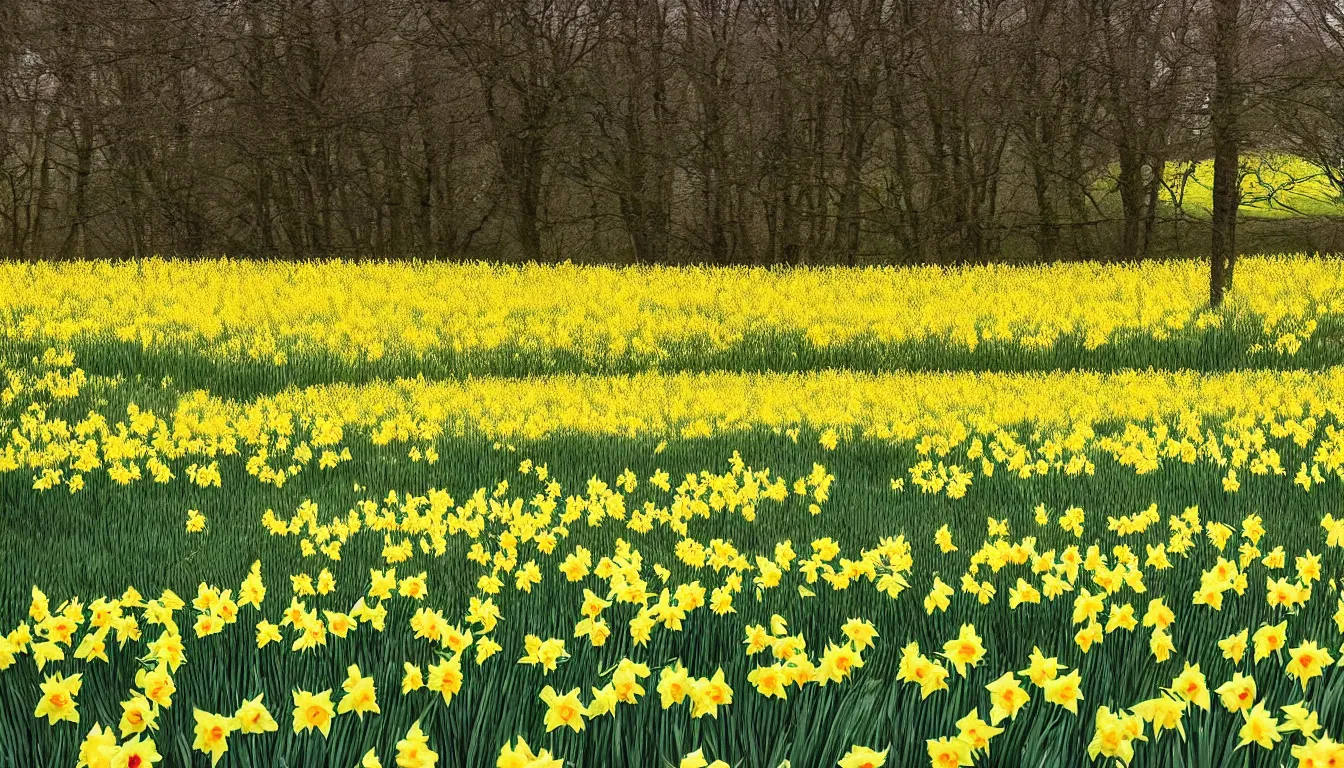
1236	344
1272	186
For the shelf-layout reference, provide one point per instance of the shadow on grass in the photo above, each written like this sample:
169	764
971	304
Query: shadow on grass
1213	350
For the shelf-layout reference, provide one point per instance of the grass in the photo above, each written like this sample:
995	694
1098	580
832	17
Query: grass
1272	187
104	537
1215	350
90	546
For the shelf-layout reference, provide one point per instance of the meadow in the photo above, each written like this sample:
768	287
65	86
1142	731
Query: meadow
528	517
1272	186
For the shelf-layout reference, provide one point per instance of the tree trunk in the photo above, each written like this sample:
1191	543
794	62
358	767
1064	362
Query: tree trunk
1131	201
853	144
1223	125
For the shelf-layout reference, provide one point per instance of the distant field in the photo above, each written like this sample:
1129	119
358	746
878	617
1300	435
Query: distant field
1273	186
991	517
238	328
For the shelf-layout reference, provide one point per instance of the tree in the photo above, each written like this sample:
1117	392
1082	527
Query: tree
649	131
525	56
1224	107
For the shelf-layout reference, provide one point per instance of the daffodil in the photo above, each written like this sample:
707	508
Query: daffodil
212	734
1191	686
1065	690
413	751
136	753
1237	694
1259	727
863	757
313	711
253	717
1007	697
563	710
58	699
949	753
360	696
97	749
137	716
446	678
964	650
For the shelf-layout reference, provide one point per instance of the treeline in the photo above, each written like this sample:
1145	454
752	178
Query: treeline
722	131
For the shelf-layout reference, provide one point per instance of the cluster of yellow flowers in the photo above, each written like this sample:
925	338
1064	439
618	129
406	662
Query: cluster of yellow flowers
54	629
945	409
365	311
965	425
500	527
546	519
785	585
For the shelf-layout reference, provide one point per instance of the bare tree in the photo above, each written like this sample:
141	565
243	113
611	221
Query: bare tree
633	113
525	56
649	131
